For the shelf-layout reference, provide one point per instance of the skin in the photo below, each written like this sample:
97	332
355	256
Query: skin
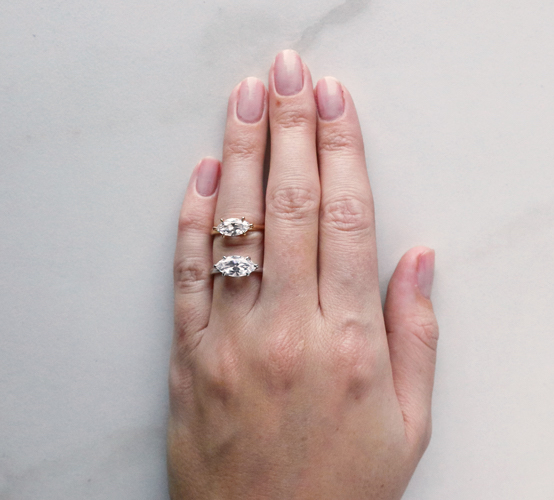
295	383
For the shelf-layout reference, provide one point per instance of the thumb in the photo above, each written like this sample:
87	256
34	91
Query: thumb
412	333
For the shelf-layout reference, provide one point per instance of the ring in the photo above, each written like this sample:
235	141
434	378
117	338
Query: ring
236	266
235	227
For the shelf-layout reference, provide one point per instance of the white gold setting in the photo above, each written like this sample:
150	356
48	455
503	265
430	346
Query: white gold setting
235	266
235	227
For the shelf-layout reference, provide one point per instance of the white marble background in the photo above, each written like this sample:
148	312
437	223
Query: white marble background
105	107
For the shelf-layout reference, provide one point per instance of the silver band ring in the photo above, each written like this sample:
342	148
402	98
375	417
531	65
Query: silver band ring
235	227
236	266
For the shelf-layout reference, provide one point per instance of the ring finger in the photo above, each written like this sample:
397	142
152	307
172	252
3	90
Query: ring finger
241	192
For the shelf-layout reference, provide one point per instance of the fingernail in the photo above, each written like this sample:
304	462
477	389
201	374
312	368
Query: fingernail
425	272
288	73
250	105
207	178
330	101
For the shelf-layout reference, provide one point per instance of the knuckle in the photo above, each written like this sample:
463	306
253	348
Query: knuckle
282	359
242	148
220	376
419	435
215	367
343	141
179	383
348	214
353	358
190	273
190	222
426	435
181	371
424	327
350	346
290	117
189	323
293	202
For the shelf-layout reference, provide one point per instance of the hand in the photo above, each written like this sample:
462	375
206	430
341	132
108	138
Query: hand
293	383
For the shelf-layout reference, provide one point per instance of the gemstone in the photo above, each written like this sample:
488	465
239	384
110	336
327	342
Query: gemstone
233	227
236	266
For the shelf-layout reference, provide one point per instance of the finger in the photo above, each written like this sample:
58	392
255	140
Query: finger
292	201
413	334
193	255
240	193
348	278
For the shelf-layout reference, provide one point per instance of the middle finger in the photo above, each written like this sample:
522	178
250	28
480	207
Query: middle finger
293	189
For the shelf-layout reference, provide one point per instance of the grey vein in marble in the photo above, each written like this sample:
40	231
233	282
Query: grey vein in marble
341	14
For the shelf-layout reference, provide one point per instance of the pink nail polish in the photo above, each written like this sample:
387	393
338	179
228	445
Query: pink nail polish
251	99
288	73
207	178
330	100
425	272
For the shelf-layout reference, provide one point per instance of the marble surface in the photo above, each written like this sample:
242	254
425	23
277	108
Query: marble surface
105	108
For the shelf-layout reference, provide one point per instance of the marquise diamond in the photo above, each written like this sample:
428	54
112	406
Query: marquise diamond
236	266
233	227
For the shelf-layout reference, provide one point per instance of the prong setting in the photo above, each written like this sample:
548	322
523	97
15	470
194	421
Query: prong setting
233	227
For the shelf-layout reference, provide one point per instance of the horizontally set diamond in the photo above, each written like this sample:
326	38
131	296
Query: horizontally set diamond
236	266
233	226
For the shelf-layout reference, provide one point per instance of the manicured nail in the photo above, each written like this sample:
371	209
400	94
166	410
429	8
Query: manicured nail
425	272
250	105
288	73
330	101
207	178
